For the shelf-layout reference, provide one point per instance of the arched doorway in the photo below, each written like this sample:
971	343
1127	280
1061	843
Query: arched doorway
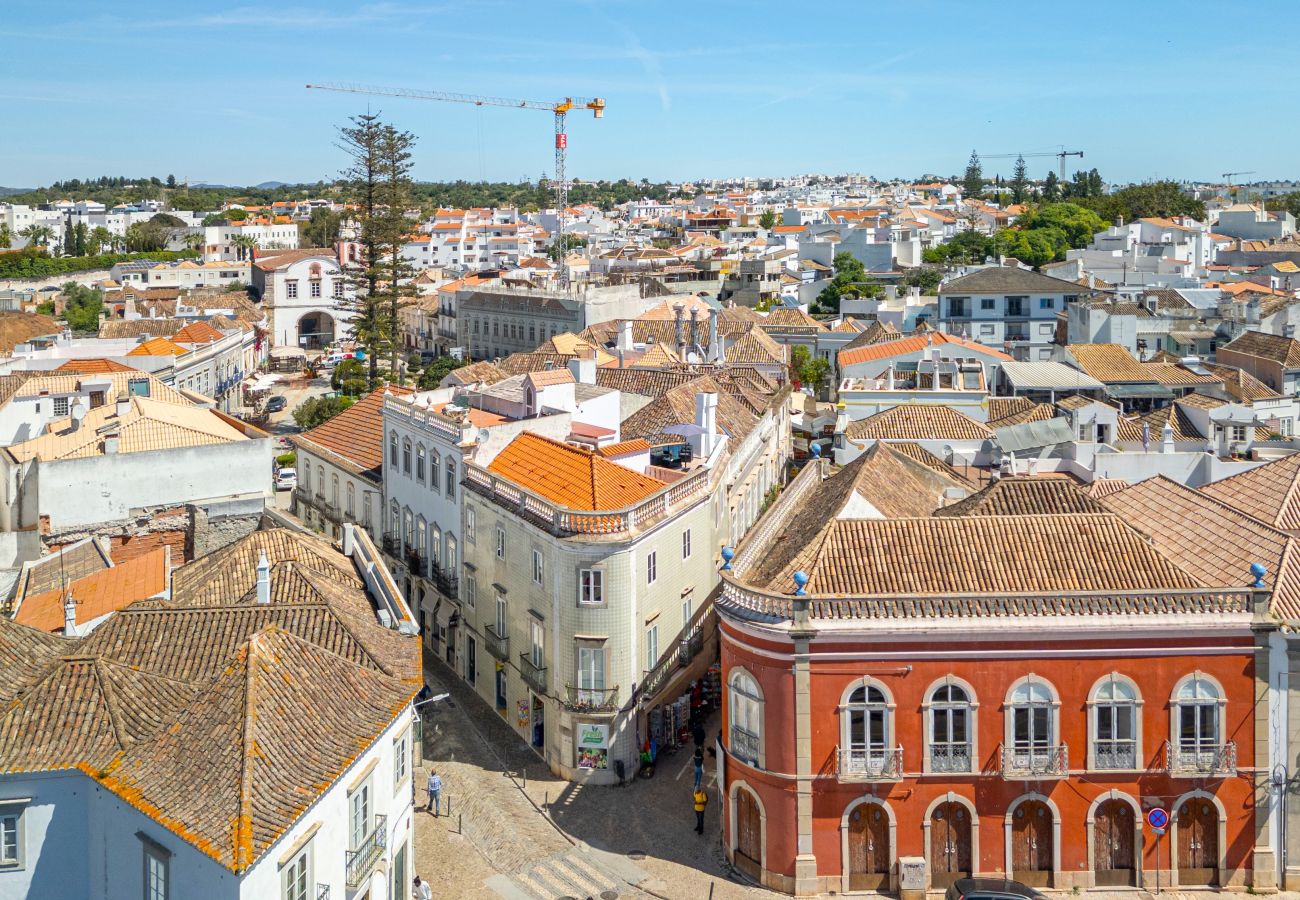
868	847
1198	842
748	824
1031	844
315	330
950	844
1113	857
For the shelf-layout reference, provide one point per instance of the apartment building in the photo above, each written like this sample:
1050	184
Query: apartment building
306	297
1006	307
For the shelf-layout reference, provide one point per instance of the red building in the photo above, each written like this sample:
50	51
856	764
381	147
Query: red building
990	691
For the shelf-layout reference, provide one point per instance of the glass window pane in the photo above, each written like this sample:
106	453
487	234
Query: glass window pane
958	719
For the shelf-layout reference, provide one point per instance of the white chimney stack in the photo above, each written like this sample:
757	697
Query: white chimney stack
123	404
583	367
706	419
715	343
263	579
70	617
625	335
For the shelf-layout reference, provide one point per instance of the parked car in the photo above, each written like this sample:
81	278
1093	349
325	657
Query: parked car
286	479
276	403
991	889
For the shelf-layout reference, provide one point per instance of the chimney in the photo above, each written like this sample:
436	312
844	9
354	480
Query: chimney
1167	438
706	419
583	367
625	335
695	330
715	342
263	579
678	313
70	616
111	442
123	404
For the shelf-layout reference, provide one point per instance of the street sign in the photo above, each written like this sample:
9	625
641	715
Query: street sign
1158	819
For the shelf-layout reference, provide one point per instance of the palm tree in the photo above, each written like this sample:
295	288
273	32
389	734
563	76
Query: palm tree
38	235
192	240
245	242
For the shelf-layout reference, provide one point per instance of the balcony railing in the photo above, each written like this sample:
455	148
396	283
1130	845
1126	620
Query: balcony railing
1035	761
1114	755
588	700
870	764
1190	760
415	561
686	645
392	546
497	644
950	757
533	674
322	892
444	580
744	745
361	861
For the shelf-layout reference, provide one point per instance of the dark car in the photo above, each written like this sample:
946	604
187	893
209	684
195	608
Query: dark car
275	404
991	889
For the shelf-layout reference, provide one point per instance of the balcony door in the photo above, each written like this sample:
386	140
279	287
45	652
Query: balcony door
868	729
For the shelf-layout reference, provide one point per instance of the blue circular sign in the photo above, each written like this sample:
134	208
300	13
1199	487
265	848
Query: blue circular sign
1157	818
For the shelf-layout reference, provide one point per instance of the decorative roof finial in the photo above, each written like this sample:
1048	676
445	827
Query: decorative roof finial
727	556
1257	571
800	580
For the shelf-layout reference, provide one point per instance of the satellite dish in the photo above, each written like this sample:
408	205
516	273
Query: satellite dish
483	435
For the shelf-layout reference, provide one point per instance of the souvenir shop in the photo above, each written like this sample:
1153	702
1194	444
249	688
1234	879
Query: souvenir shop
669	726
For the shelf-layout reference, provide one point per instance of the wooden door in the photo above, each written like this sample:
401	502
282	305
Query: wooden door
1031	844
1113	860
950	844
868	848
749	835
1198	843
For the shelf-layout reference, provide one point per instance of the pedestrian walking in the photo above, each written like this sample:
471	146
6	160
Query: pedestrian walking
420	890
701	800
699	767
434	787
697	733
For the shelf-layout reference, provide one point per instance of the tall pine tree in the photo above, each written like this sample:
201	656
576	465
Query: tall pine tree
972	183
394	226
1051	188
1019	181
362	179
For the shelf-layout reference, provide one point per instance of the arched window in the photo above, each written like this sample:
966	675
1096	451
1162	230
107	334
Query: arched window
352	500
419	463
1198	723
320	481
1032	746
866	732
435	545
334	491
1115	723
406	456
418	546
392	449
306	478
746	717
395	522
409	531
952	728
435	472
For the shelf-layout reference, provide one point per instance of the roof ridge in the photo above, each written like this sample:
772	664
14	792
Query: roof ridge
242	853
109	690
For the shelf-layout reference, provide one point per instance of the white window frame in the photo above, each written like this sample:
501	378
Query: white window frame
469	524
686	544
936	705
536	643
435	472
745	715
401	760
651	567
501	543
875	753
362	793
300	868
651	645
1032	746
153	852
1178	704
539	567
471	591
13	810
591	587
1101	697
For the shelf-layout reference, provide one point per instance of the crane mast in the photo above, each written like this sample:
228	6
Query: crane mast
560	109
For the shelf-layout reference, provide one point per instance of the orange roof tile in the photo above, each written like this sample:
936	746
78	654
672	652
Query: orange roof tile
106	591
911	345
157	347
93	366
197	333
356	435
570	476
624	448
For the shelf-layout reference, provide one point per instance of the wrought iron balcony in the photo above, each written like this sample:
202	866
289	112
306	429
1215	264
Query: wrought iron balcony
391	545
1114	755
950	757
870	764
322	892
534	675
1035	761
591	700
1201	760
415	561
744	745
497	644
445	581
361	861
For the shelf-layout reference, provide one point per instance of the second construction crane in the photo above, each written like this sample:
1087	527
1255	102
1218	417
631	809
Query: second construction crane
560	109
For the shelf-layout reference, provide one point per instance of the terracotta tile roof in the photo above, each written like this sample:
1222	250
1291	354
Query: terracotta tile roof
270	260
1209	539
475	373
915	452
1037	412
148	424
1025	496
656	356
1183	426
105	591
981	555
624	448
677	407
550	377
848	324
197	333
1175	375
1104	487
1241	385
1108	363
1007	280
93	366
355	437
1268	492
917	421
1267	346
756	347
124	328
62	565
570	476
19	327
1201	401
914	344
1001	407
157	347
73	383
25	653
785	317
1078	401
646	382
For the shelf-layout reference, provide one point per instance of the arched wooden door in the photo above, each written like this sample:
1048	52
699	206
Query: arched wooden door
749	835
1031	844
1113	860
950	844
1198	843
868	848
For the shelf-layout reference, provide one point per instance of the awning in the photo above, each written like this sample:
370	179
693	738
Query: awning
1139	390
443	615
1032	435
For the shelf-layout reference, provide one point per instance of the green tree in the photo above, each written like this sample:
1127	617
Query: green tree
318	410
926	278
438	369
82	307
100	238
1051	188
245	246
192	240
972	183
6	238
1019	181
767	220
1076	223
571	242
395	166
1140	201
171	181
1095	186
322	230
850	280
362	140
38	235
349	376
810	370
969	247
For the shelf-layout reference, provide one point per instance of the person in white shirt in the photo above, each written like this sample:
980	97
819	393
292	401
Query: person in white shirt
420	890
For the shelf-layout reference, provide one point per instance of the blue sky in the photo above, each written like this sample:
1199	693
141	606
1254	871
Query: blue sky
714	88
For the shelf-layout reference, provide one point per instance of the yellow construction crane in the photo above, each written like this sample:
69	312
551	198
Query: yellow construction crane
559	109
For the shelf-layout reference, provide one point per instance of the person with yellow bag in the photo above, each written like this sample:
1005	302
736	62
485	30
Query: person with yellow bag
701	801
